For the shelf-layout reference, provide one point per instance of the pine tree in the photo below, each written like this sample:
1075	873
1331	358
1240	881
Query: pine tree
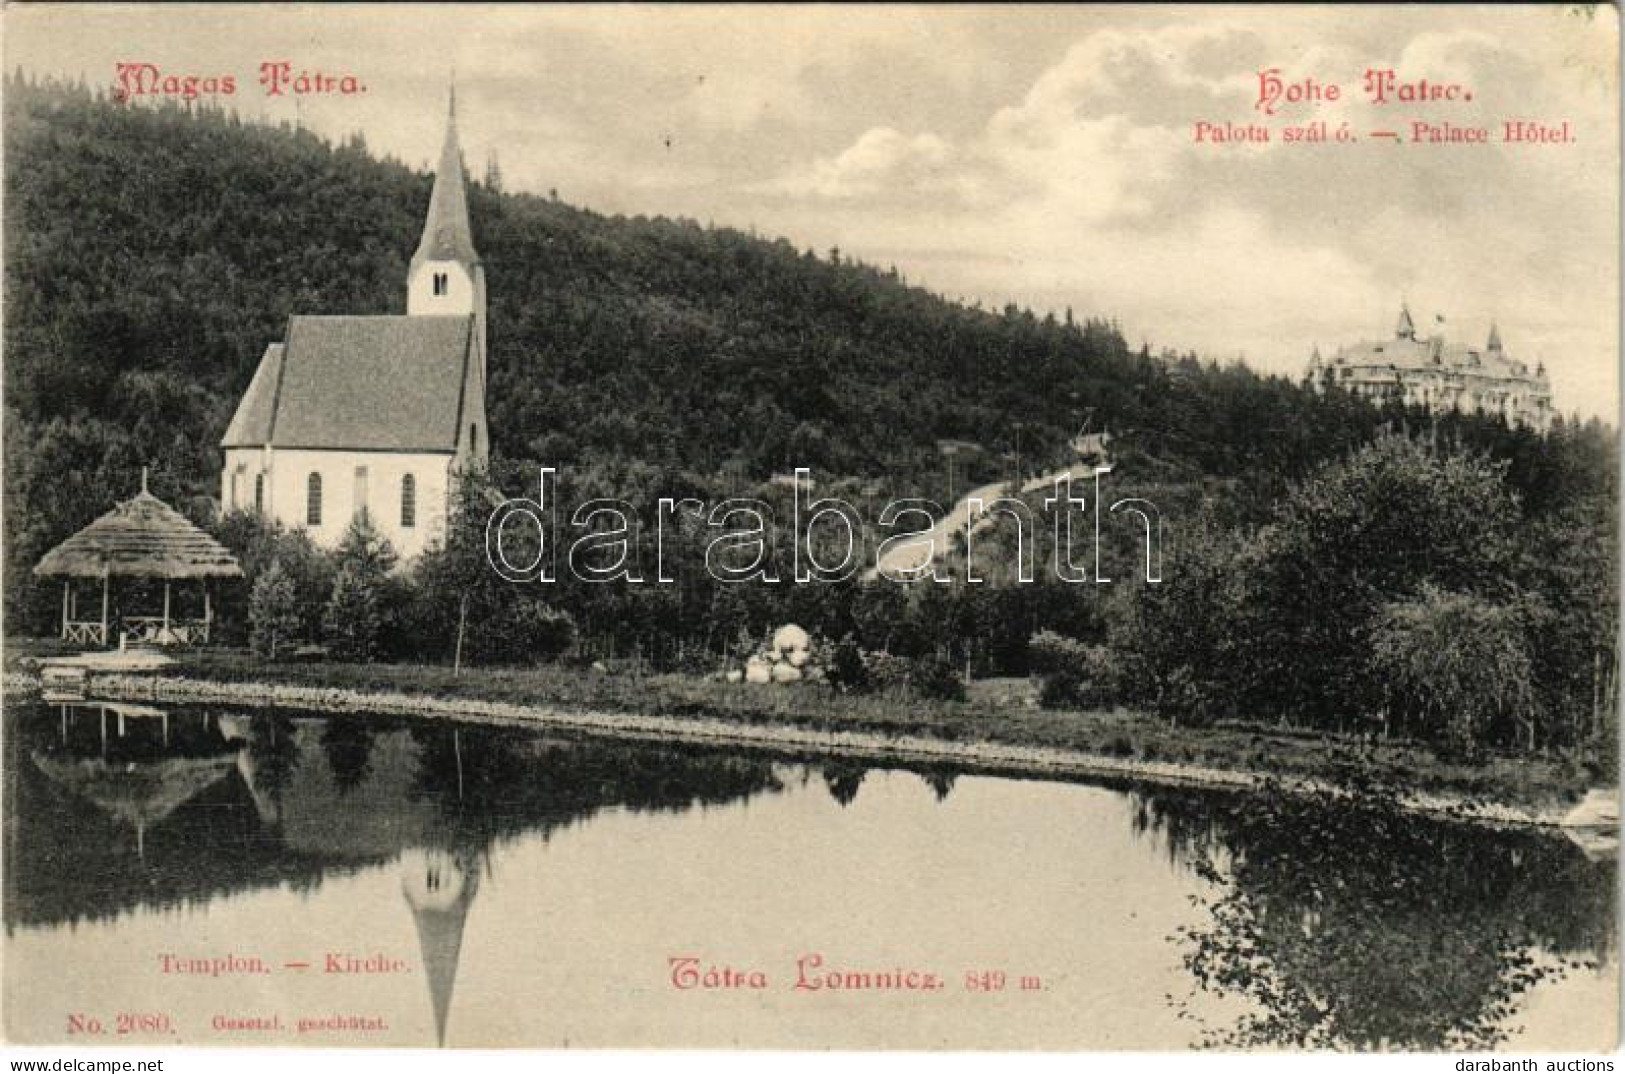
273	612
354	619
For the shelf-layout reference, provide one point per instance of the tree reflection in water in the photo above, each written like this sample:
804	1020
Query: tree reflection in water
843	778
111	812
347	743
1347	923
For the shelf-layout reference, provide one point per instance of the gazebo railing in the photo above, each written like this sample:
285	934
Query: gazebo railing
156	630
138	630
84	633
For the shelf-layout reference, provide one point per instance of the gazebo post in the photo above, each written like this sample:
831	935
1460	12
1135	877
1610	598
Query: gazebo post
208	613
104	606
66	585
166	605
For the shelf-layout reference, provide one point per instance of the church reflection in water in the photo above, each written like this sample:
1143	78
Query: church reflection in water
116	806
1339	920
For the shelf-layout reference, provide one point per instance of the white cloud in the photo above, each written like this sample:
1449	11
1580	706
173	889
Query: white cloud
1090	191
1040	155
881	158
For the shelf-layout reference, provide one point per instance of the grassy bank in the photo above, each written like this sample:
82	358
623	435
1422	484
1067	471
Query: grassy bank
1000	712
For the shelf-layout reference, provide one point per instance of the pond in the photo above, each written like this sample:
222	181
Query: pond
215	876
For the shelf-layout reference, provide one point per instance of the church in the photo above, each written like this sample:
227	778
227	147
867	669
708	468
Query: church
374	413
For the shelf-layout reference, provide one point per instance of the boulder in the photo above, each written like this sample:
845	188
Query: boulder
790	637
786	673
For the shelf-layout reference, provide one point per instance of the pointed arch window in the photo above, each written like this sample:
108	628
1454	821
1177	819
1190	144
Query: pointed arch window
441	284
259	493
409	502
313	500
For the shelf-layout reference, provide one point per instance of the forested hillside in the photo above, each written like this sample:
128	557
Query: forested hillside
152	252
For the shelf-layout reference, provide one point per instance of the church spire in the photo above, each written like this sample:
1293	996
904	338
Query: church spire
1406	329
440	886
1495	338
446	234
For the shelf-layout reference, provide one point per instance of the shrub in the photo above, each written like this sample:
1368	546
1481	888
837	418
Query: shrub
888	672
257	543
1181	643
848	672
533	632
1075	674
1457	669
1118	746
1049	652
934	678
1060	689
1361	533
515	628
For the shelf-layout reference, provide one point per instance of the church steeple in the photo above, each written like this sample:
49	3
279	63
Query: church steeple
446	234
1494	344
447	278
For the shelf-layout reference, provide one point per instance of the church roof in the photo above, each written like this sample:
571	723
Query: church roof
359	383
446	234
251	425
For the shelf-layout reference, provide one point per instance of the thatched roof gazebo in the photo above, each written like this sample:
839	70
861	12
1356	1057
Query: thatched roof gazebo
144	538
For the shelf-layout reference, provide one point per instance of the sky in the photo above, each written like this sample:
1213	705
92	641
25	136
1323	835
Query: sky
1039	155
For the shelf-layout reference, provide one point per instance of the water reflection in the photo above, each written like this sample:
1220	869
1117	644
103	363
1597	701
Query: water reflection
1349	923
172	807
120	806
844	779
440	886
1268	920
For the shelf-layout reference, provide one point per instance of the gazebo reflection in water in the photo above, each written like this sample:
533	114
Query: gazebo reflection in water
121	806
135	763
143	539
140	765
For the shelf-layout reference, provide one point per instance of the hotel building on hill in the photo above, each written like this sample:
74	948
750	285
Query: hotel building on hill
1427	371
